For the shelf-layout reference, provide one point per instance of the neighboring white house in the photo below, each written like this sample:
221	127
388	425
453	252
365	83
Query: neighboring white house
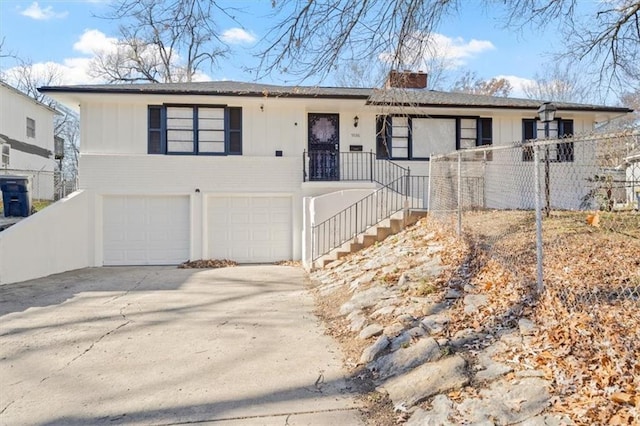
27	140
171	172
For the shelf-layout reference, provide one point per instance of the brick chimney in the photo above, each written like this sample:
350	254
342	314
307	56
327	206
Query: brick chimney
407	79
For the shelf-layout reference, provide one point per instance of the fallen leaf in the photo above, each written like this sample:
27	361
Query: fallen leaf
623	398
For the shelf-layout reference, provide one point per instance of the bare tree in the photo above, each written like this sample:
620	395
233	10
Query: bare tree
161	41
471	83
607	35
561	83
311	37
27	78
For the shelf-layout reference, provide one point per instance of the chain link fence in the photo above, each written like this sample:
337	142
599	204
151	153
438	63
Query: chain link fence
560	219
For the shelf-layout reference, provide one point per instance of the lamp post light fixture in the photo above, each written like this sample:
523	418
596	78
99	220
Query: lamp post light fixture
546	114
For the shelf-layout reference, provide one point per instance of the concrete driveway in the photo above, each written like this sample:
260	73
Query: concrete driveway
161	345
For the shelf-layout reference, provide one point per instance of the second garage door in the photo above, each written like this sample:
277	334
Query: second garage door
249	229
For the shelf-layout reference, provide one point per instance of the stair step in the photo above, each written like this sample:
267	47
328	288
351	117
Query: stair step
390	226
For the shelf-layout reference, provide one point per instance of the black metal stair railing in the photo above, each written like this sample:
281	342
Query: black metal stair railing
404	192
349	166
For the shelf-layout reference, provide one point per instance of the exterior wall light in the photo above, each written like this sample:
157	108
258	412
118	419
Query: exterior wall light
355	121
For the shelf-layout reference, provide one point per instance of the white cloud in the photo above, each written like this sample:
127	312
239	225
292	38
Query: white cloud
237	36
34	11
425	51
93	41
456	50
518	84
76	70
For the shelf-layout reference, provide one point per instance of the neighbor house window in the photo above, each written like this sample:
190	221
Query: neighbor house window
558	129
31	128
418	137
194	130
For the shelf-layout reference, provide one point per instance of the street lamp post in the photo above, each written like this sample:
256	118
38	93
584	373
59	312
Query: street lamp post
546	114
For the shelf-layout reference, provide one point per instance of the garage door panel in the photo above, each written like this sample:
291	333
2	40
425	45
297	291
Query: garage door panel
145	230
249	229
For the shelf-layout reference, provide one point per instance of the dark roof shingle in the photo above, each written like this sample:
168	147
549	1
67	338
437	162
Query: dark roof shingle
395	97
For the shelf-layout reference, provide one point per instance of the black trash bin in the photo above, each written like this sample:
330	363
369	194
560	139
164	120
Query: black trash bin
15	195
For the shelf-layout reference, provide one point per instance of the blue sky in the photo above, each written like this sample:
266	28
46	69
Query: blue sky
65	33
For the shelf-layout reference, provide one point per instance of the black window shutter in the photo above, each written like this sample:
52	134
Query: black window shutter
234	130
485	131
528	133
155	142
382	130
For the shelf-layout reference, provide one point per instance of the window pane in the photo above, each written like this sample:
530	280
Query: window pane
31	127
400	121
468	123
211	147
467	143
180	135
400	153
399	143
210	136
180	123
176	146
553	130
177	112
468	133
210	124
211	113
401	132
433	136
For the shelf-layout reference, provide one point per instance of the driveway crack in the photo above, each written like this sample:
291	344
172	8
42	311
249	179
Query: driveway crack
7	406
126	292
96	342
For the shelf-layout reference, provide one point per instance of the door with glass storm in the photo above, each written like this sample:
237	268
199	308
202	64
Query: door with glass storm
324	146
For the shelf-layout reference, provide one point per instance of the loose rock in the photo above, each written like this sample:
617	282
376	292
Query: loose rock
427	380
371	331
370	353
424	350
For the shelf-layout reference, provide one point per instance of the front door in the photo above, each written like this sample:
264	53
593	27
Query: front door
324	145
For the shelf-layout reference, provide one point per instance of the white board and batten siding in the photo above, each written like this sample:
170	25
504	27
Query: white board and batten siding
249	229
146	230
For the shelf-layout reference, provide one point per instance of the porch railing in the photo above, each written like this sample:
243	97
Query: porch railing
349	166
404	192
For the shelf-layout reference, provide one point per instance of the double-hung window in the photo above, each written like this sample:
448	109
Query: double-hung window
31	128
417	137
195	130
558	129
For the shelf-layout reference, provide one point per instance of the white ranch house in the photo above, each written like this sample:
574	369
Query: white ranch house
241	171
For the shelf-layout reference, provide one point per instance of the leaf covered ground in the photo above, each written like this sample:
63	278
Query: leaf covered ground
586	337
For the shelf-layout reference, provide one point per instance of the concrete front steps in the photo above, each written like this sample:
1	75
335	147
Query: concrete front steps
390	226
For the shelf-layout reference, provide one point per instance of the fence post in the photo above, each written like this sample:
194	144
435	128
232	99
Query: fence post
459	227
304	166
538	207
429	184
371	165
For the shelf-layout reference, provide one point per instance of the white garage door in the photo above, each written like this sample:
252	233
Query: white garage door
249	229
145	230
